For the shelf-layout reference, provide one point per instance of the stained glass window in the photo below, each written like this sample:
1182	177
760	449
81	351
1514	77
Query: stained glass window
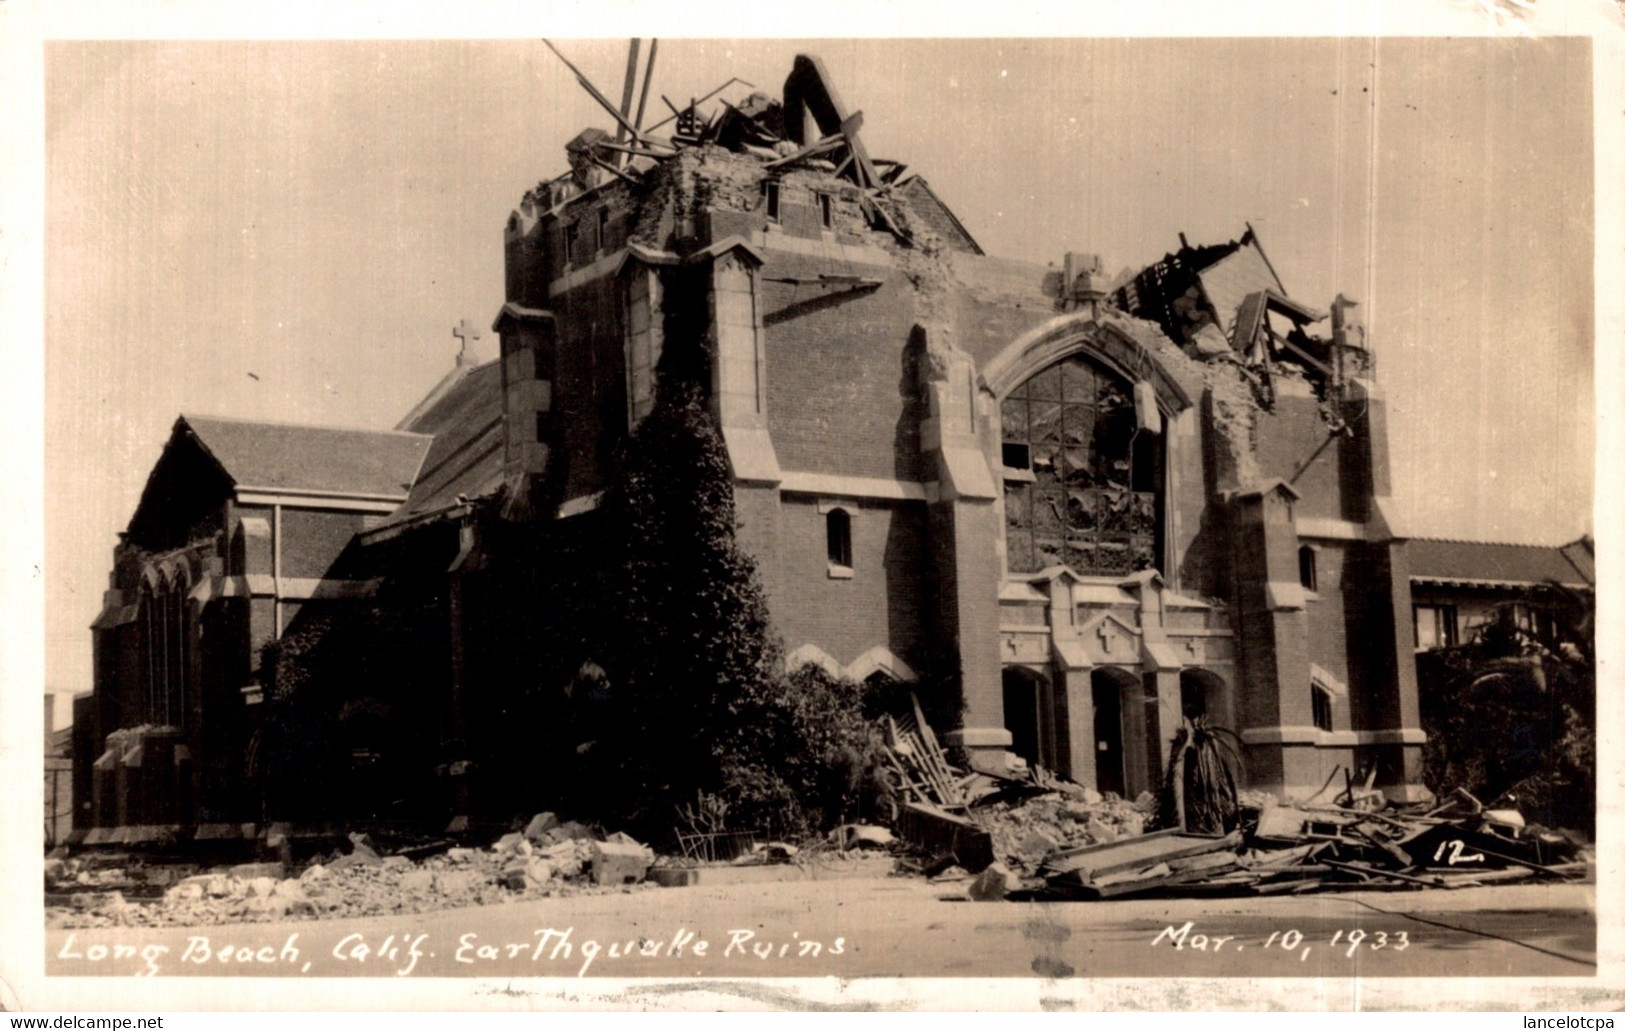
1084	483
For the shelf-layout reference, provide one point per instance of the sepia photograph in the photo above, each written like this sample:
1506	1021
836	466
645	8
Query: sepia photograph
662	519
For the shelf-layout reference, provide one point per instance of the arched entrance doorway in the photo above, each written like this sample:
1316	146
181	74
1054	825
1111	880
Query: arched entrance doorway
1116	696
1202	693
1037	729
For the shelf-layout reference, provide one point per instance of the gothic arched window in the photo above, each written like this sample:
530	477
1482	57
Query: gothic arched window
1081	482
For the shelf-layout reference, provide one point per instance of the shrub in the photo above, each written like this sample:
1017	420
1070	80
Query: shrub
1510	715
799	757
700	700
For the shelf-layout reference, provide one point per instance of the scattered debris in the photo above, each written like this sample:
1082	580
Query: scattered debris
1026	834
1312	847
549	858
619	862
993	884
861	835
1015	815
920	764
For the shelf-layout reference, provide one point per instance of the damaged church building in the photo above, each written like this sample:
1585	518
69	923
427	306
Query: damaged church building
1101	504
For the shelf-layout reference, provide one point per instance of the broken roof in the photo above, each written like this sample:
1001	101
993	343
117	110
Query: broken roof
1477	563
310	459
810	128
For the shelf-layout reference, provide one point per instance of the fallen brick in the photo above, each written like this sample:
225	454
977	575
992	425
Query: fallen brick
615	862
260	887
458	882
513	843
539	825
993	884
674	877
249	871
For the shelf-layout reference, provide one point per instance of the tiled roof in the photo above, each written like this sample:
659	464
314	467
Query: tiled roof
466	456
1480	562
1582	555
279	456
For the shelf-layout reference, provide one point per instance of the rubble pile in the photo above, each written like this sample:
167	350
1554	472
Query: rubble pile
1027	834
808	131
1294	849
1014	816
547	859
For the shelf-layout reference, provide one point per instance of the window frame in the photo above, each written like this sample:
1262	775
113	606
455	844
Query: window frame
838	541
1322	704
1102	478
1445	626
1309	568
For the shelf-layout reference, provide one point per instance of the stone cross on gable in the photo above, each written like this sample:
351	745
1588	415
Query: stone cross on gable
1106	636
465	332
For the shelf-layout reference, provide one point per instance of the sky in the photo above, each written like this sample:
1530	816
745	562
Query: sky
289	230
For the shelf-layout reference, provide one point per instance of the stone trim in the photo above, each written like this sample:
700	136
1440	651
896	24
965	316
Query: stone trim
1070	654
1284	595
290	588
880	659
1071	333
812	655
877	659
856	487
383	503
608	265
1402	736
580	505
1329	529
1282	735
751	455
1319	676
1317	738
979	737
856	254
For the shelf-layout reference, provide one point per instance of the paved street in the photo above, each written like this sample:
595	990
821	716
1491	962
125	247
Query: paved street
891	928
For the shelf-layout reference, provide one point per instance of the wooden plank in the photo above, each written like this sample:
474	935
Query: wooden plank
1145	884
592	91
1372	871
824	145
1142	851
1083	850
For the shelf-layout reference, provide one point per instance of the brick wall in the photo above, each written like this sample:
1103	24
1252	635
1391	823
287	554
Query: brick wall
312	540
1295	444
1328	630
589	385
841	394
985	327
620	209
884	601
